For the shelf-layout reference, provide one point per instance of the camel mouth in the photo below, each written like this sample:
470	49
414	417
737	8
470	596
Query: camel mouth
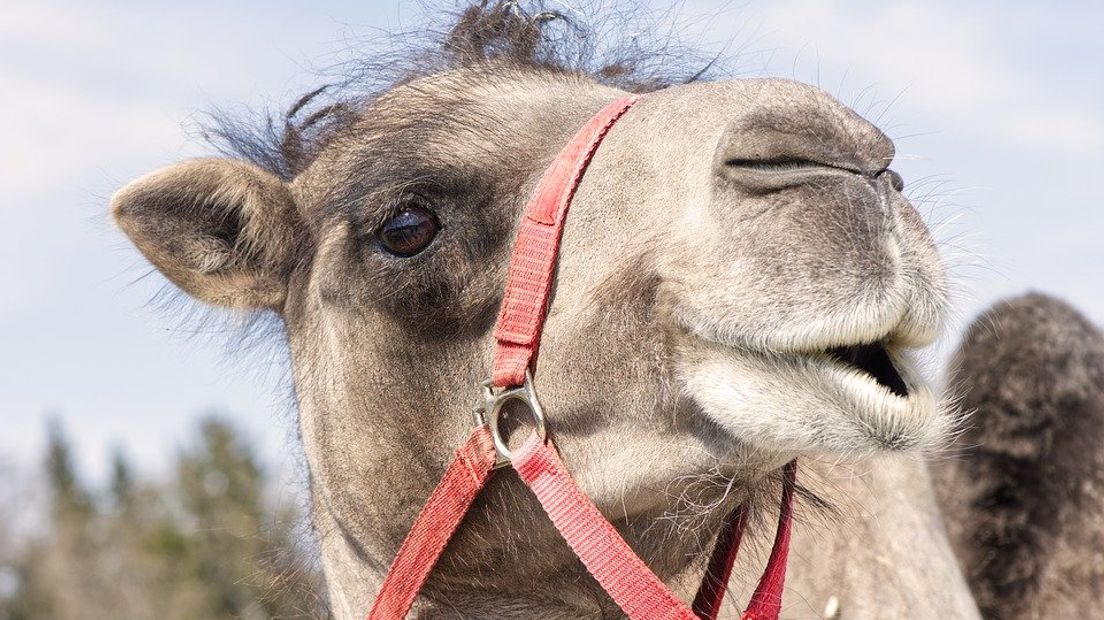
874	361
863	397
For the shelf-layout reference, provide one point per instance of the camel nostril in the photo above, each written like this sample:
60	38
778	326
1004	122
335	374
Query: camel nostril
895	179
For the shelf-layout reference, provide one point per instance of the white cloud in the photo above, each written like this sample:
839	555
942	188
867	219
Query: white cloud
952	63
94	94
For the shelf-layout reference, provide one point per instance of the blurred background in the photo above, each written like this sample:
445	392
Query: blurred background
145	456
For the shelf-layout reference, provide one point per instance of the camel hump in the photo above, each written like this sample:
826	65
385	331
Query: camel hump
1024	486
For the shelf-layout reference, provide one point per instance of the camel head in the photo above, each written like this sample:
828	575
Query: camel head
741	282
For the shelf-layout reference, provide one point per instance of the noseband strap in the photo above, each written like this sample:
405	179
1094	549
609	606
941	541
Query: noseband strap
620	572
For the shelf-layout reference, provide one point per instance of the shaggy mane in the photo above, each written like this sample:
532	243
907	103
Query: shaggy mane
618	48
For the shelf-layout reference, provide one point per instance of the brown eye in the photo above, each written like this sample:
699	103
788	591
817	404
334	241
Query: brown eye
409	231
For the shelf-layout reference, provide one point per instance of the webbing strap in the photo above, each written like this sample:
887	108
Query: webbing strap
623	575
533	264
435	525
766	601
707	603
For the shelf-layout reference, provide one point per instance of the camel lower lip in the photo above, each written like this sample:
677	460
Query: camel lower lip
876	364
875	369
851	400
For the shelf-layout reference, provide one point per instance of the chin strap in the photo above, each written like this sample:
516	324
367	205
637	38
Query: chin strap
766	601
620	572
435	525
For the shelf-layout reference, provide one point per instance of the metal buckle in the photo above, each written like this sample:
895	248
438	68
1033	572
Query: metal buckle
491	409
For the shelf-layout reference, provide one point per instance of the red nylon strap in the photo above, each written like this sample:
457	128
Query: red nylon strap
434	526
623	575
711	593
766	601
533	265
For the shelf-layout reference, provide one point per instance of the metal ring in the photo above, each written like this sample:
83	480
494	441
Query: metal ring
494	403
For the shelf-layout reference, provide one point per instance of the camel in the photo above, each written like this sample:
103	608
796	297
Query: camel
1025	503
742	282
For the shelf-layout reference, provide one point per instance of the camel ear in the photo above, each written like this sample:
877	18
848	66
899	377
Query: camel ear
224	231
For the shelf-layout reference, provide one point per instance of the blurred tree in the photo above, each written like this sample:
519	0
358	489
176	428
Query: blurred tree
209	543
237	545
68	499
122	480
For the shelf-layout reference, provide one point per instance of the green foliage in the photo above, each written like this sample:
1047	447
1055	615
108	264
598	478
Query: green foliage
68	498
208	543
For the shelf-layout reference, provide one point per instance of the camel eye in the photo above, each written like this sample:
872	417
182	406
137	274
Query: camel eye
410	230
776	164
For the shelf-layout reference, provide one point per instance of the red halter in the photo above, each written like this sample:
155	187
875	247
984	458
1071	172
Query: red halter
623	575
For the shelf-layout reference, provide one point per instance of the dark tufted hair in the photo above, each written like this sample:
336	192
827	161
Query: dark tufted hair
1028	489
510	34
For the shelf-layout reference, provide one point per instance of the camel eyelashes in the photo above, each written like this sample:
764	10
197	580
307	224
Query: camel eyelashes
411	229
774	164
777	164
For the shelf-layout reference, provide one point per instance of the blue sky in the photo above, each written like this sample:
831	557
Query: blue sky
997	109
